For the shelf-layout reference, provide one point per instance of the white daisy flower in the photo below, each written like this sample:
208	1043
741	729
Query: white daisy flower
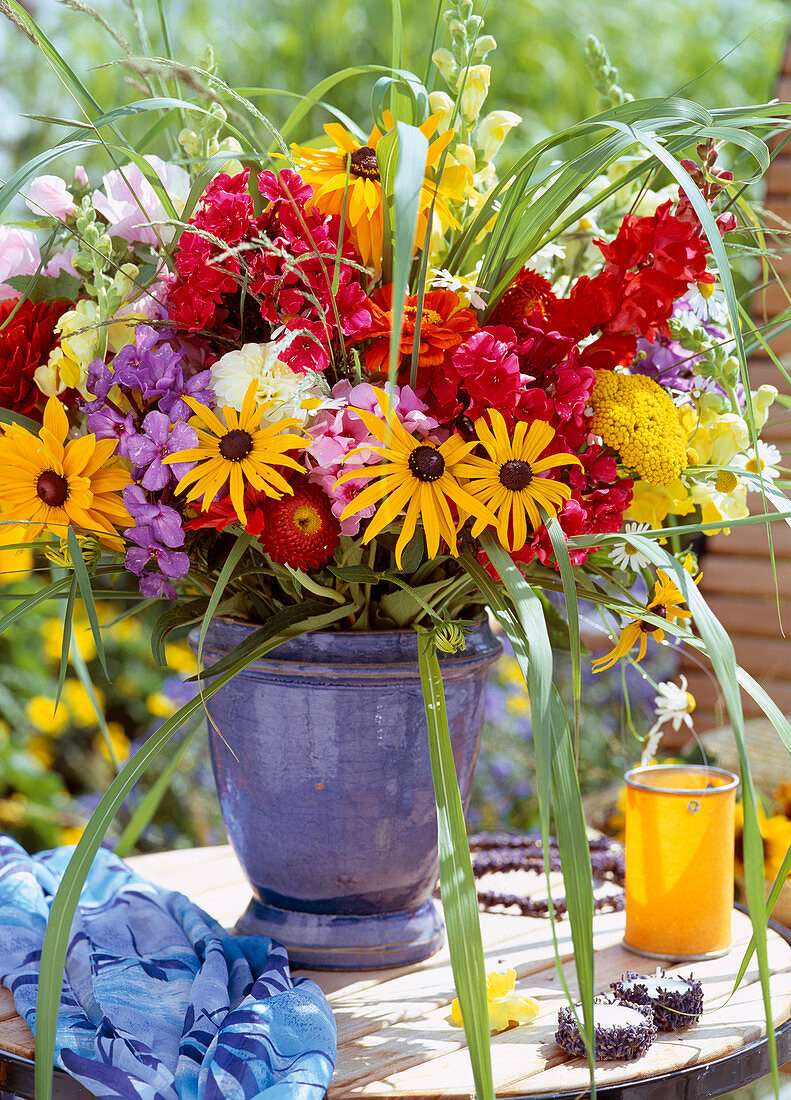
625	556
673	704
446	280
765	462
293	393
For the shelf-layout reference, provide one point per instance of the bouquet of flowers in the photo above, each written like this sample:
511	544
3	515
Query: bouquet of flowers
366	382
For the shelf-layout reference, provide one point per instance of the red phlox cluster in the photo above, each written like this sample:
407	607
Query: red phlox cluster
283	261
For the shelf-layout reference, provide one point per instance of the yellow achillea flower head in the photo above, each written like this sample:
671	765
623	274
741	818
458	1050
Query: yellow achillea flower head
506	1007
638	419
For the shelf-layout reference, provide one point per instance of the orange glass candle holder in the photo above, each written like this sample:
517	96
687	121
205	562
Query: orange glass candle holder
679	860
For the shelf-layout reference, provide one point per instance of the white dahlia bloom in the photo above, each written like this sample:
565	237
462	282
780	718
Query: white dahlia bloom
292	393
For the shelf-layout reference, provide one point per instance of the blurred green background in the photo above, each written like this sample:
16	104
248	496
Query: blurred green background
721	53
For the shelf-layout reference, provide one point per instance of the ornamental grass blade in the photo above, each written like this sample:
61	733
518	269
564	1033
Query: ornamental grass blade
556	775
403	165
719	649
17	14
68	618
9	417
556	782
44	594
86	591
64	904
239	548
572	614
289	622
459	897
149	805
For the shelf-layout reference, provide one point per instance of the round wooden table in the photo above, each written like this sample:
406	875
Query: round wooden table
396	1041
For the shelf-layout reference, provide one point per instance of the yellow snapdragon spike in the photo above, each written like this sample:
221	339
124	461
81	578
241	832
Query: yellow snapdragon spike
506	1007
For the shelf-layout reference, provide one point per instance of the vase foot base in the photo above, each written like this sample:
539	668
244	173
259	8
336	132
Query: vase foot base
326	941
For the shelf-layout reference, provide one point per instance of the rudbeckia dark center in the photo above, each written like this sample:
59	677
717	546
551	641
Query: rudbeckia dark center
236	445
515	474
52	488
648	628
426	463
363	162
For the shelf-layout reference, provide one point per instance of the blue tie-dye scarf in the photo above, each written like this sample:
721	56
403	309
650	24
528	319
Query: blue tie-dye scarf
159	1002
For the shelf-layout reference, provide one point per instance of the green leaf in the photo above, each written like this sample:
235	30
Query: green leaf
45	288
402	161
84	583
410	603
182	614
149	805
355	574
459	897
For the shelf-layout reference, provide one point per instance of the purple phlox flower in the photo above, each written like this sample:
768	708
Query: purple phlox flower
106	423
100	379
164	522
154	587
173	564
198	387
157	443
144	366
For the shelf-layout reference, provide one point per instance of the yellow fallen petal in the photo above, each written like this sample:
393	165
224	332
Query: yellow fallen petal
506	1007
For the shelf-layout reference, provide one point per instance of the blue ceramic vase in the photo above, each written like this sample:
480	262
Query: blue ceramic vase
320	754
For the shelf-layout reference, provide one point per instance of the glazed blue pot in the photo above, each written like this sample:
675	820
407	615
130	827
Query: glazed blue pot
320	754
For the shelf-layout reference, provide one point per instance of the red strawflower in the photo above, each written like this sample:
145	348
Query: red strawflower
25	343
444	325
529	291
300	530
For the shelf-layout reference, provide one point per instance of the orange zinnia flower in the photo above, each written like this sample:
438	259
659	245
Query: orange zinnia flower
444	326
527	292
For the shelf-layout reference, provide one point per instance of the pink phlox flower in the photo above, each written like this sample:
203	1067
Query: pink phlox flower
338	431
